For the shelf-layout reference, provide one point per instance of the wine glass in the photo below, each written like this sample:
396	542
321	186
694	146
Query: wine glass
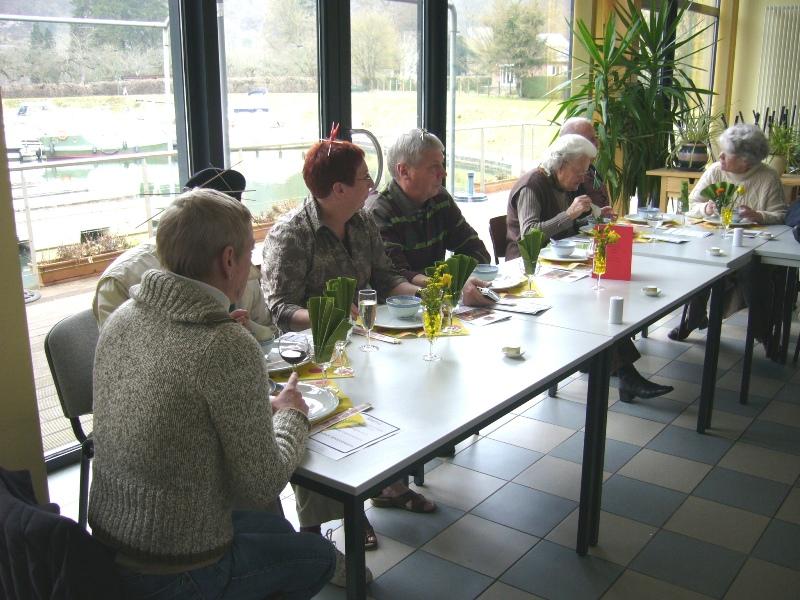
726	218
368	310
432	326
294	348
339	353
323	365
449	304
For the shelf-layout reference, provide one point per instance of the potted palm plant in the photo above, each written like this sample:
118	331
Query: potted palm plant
693	134
635	89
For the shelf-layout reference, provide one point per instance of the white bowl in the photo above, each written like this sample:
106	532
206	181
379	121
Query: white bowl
563	249
486	272
403	307
715	251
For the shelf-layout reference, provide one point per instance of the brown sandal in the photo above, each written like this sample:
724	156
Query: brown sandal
408	500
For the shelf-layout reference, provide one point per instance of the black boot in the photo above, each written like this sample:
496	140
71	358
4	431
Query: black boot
632	384
696	319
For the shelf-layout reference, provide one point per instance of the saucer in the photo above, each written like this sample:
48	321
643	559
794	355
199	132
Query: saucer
513	351
717	252
651	290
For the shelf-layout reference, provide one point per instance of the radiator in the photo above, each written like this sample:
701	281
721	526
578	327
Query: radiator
779	76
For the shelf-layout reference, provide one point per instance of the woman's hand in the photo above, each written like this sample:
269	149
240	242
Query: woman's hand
607	212
579	206
710	208
241	316
745	212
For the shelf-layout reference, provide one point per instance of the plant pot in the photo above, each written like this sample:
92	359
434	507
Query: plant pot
64	270
777	162
692	157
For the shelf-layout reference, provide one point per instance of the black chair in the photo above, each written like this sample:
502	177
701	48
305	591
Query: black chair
70	347
497	233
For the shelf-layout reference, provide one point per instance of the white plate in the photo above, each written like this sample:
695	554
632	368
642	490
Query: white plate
275	364
507	282
577	255
321	402
714	220
386	320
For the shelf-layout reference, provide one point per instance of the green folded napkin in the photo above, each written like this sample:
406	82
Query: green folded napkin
460	267
529	247
328	326
343	291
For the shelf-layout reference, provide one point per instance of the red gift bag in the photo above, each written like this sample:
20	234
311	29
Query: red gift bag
619	255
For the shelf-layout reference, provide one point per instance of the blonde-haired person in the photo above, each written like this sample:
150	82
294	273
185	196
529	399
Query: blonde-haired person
190	450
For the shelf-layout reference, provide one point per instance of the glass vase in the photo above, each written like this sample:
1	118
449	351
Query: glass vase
599	264
432	326
449	304
726	218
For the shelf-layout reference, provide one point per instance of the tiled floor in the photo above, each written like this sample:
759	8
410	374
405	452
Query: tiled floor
684	516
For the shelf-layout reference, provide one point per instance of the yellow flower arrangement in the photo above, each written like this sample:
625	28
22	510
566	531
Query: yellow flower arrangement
723	194
432	294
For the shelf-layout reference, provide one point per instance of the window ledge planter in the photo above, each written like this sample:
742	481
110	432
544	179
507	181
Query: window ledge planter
55	271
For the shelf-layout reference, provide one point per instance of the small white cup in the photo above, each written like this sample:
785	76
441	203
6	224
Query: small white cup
715	251
738	238
615	310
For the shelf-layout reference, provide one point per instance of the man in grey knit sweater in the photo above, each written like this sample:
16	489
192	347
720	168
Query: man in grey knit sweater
190	448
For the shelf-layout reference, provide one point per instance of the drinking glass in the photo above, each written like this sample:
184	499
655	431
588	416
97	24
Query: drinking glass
368	310
726	218
449	304
339	353
432	326
530	272
655	221
323	365
294	348
599	264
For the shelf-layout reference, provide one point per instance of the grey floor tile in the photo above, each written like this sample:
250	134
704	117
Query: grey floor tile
458	487
426	576
689	563
501	591
496	458
780	544
413	529
762	462
556	572
689	444
761	579
640	501
790	510
559	412
763	386
764	367
743	491
659	409
789	393
723	424
728	401
653	347
526	509
483	546
616	454
773	436
785	413
636	586
555	476
682	371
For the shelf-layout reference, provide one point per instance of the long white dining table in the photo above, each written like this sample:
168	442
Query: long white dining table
435	405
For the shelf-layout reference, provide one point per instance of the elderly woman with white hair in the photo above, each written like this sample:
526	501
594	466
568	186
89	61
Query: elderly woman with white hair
743	147
539	199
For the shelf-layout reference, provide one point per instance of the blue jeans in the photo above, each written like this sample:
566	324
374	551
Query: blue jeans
267	559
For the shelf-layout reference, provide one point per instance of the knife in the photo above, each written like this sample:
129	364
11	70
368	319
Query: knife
358	330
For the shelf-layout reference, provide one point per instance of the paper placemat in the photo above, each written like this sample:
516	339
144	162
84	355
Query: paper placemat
419	333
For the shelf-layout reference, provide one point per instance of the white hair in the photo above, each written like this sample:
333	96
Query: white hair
409	148
565	149
747	142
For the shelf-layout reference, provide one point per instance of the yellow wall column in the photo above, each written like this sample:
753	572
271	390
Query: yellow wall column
20	433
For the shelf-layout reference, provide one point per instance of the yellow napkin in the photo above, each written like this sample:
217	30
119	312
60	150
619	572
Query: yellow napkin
418	333
307	372
516	292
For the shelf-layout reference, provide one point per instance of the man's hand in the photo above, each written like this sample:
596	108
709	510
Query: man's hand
241	316
289	397
472	297
579	206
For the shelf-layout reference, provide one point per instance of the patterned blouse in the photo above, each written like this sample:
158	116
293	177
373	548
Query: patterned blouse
301	254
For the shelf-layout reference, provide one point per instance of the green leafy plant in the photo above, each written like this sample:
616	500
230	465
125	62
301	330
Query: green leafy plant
625	89
328	325
783	140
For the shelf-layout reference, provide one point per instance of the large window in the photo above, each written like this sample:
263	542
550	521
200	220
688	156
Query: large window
90	128
270	58
508	56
